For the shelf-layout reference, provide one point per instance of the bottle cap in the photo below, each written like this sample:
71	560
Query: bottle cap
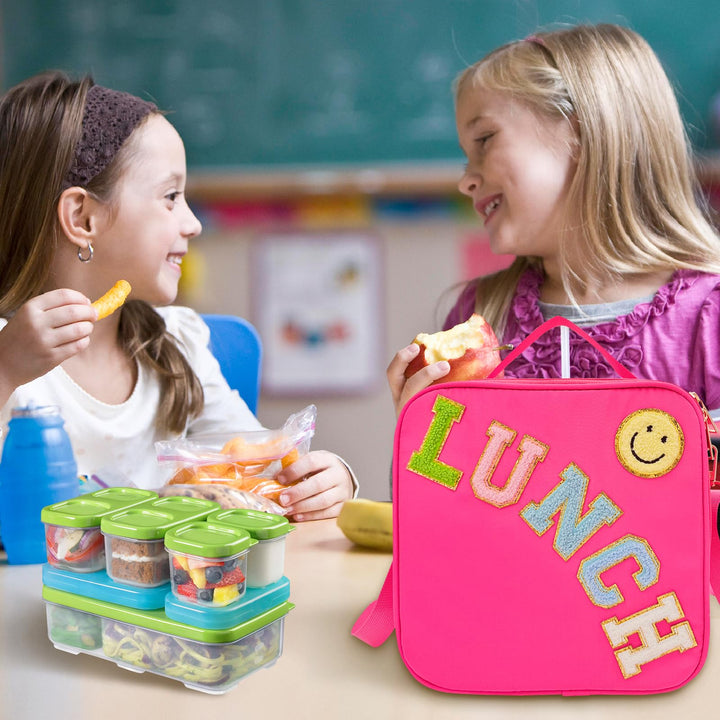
35	411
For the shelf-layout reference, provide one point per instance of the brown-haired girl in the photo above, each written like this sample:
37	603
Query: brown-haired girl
92	190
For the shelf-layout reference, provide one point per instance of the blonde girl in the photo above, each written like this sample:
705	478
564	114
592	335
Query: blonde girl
579	165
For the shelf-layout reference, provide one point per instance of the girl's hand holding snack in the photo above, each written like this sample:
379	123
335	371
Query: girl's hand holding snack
325	485
402	388
271	465
44	332
466	351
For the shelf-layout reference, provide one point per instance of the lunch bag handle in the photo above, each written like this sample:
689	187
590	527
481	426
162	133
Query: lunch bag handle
550	324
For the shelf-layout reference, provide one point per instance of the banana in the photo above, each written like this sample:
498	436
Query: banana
367	523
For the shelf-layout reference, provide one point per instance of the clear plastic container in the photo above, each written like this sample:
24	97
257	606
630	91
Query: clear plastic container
212	661
208	566
143	563
266	560
134	538
254	602
73	630
72	528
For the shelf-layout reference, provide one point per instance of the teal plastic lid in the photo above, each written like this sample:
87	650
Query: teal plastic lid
159	621
87	510
260	525
101	586
151	520
199	538
253	602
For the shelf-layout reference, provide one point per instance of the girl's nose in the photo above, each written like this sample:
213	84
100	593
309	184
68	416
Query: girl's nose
468	183
192	226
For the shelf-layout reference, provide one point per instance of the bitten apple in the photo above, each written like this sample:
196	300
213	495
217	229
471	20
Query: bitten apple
471	348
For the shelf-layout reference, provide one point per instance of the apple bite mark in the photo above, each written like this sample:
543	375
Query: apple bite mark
470	348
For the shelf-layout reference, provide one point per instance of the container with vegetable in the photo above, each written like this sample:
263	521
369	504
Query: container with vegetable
212	661
71	629
72	527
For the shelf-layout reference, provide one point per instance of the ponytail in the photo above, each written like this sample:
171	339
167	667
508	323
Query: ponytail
144	337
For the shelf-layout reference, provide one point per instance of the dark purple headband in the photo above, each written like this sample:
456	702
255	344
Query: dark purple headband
109	118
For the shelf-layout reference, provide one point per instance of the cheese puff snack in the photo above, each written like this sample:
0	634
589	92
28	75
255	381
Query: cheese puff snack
112	299
247	461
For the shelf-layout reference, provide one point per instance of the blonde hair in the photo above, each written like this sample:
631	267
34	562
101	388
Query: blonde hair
634	191
40	126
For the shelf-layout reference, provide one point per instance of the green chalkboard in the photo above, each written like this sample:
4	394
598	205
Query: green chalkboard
327	82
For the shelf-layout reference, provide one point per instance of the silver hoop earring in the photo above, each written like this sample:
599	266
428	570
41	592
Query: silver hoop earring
88	257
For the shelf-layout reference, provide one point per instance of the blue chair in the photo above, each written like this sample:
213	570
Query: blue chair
237	346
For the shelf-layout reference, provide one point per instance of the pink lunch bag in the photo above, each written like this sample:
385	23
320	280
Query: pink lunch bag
550	536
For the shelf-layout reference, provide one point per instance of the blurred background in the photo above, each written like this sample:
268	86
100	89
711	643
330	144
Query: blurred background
323	163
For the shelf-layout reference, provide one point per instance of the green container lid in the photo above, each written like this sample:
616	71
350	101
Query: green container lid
199	538
86	511
260	525
159	621
151	520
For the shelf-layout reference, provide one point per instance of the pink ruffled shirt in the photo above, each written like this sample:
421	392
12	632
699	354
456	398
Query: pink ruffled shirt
674	337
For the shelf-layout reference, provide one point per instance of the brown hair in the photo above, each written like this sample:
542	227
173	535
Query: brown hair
40	126
634	189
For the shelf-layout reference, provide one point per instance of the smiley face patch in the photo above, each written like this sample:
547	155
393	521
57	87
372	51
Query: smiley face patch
649	443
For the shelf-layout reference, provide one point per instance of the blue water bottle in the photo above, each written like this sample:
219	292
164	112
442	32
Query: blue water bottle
38	468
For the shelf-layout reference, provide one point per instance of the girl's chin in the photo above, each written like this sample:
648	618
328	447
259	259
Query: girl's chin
501	248
164	296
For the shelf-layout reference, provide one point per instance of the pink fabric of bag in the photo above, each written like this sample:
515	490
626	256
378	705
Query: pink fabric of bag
550	536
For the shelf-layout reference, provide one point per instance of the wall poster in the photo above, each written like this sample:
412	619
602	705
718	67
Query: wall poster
317	308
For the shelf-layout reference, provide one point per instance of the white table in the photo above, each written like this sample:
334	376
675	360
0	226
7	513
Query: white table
323	673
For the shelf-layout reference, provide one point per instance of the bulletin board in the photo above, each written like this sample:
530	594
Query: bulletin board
317	306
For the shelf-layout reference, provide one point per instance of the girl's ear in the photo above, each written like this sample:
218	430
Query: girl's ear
78	214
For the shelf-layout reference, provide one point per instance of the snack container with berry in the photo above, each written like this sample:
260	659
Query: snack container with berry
72	527
134	538
266	560
208	565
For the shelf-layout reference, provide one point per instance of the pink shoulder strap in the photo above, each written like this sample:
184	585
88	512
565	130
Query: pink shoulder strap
375	624
714	544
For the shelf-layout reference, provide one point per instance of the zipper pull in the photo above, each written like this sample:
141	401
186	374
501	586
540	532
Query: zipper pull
710	427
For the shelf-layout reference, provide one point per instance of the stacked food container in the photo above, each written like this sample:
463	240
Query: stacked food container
166	585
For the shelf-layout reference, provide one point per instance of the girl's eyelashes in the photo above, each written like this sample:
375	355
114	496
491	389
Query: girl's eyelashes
173	196
482	140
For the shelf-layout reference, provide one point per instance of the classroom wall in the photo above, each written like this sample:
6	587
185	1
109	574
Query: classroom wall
420	260
424	256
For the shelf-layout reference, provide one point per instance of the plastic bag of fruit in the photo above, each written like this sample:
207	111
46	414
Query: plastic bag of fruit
247	461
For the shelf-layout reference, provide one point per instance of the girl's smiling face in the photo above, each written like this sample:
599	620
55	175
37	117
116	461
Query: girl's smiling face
146	232
519	168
